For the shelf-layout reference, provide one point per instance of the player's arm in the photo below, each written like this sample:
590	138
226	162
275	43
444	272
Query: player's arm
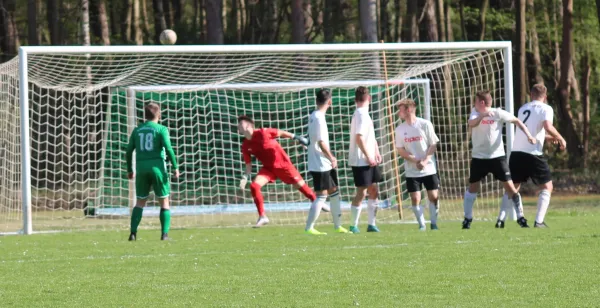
284	134
321	125
362	146
525	130
555	135
406	155
432	140
475	119
129	156
166	142
248	172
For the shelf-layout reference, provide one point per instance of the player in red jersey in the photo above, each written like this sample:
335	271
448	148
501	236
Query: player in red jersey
263	145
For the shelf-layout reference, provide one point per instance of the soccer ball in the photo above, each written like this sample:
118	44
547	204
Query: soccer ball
168	37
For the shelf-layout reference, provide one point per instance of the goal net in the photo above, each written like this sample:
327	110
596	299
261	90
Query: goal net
63	165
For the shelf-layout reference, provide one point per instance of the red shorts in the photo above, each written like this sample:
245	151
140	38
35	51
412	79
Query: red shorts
288	175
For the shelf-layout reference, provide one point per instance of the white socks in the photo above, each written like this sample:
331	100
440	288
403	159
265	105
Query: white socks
355	214
419	215
314	211
518	204
542	205
336	209
433	212
468	204
504	207
372	210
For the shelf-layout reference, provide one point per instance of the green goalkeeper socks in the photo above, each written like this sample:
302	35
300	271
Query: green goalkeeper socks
165	220
136	218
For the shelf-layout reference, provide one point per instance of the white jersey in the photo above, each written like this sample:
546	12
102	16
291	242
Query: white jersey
487	136
533	115
363	125
416	139
317	131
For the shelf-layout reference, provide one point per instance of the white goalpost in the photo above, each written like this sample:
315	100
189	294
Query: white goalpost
63	131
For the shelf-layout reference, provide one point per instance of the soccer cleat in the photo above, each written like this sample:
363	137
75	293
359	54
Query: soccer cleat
325	208
466	224
164	237
422	228
263	220
499	224
522	222
354	229
540	225
434	227
372	228
314	231
341	229
133	236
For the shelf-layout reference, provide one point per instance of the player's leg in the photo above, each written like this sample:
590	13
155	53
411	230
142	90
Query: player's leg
362	180
502	173
413	186
263	177
542	177
142	190
320	182
162	190
479	169
432	184
334	200
373	194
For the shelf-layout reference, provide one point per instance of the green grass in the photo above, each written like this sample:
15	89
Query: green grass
282	267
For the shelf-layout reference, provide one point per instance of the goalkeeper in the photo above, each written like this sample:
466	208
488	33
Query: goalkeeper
276	163
150	141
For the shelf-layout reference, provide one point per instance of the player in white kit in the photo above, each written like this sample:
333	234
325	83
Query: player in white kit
416	142
527	160
488	154
322	166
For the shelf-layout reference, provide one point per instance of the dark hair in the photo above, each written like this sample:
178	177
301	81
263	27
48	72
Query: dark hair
361	94
323	96
151	111
484	96
245	118
407	102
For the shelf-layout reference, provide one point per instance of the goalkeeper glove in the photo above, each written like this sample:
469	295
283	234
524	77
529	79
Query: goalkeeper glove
302	140
244	180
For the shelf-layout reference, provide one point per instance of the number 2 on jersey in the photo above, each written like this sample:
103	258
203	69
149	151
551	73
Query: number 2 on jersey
146	141
527	113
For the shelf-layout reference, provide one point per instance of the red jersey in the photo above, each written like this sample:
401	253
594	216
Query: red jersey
266	149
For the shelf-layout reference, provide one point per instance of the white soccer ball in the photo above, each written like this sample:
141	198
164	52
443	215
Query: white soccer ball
168	37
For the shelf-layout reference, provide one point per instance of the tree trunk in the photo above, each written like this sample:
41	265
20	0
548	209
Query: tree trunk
103	21
233	21
53	25
368	21
271	21
398	21
10	42
160	23
411	27
348	18
441	20
461	11
137	29
520	93
85	22
449	31
328	25
482	11
297	22
214	22
126	25
384	22
585	89
564	107
32	30
535	46
145	21
430	22
169	13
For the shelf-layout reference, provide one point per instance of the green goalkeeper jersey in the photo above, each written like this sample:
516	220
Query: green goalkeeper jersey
151	143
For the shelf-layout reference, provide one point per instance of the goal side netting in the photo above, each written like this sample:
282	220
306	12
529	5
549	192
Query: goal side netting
83	105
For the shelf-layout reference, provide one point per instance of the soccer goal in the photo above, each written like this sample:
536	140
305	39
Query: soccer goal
65	115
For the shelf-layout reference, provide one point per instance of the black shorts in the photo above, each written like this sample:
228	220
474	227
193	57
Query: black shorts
481	167
366	175
324	180
431	182
524	166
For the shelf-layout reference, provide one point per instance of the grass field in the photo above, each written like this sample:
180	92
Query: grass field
282	267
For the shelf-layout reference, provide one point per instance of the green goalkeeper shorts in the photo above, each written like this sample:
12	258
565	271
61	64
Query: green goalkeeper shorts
155	177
